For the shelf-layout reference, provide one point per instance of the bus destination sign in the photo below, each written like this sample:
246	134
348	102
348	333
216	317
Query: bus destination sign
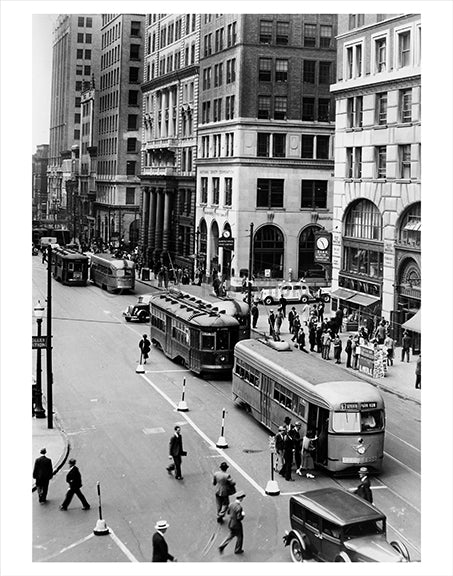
357	405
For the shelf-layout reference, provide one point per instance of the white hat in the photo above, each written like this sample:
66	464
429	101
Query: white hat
161	525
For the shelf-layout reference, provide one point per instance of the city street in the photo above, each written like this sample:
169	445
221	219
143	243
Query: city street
119	424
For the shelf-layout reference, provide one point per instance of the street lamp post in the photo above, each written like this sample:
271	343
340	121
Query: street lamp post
49	339
39	410
249	287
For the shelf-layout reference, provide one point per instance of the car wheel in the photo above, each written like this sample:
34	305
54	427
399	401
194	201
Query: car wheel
342	557
326	298
268	300
304	299
142	317
297	551
401	549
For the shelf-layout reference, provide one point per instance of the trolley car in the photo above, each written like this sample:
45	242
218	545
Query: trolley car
112	274
195	334
347	415
69	267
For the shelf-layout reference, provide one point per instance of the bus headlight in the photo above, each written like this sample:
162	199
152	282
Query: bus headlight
361	449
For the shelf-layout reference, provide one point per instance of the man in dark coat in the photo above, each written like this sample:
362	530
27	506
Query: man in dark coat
271	321
235	524
145	347
297	443
406	344
176	453
74	479
283	303
255	314
42	473
160	547
364	489
288	446
225	487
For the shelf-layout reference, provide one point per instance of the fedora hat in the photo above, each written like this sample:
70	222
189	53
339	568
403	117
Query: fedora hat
240	494
43	451
161	525
223	466
363	470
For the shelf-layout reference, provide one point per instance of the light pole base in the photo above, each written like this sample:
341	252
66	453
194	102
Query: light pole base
40	413
222	443
182	406
101	528
272	488
140	369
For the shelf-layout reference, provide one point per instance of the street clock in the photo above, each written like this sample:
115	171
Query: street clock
323	247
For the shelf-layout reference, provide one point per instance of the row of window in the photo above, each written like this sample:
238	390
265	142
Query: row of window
289	399
276	70
108	167
83	54
314	35
218	112
313	109
215	151
84	38
353	167
230	76
108	124
274	145
215	191
111	35
82	21
83	70
355	109
185	201
215	41
171	33
247	372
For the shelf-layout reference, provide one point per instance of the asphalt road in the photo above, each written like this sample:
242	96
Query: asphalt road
119	424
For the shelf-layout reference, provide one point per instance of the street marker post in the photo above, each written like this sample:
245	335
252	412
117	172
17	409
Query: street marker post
221	442
101	528
182	406
140	368
272	488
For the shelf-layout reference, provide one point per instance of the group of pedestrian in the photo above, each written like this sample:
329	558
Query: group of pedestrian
291	447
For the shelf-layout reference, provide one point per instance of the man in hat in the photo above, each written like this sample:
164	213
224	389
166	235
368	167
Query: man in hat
176	453
145	347
160	547
235	524
364	489
42	473
74	479
225	487
279	445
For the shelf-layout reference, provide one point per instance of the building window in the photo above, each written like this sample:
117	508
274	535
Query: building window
133	74
80	38
217	110
279	145
325	36
354	162
76	134
281	70
135	28
406	105
265	31
410	229
355	112
79	69
130	195
265	69
229	107
404	154
231	70
78	85
282	36
322	147
307	145
269	193
205	112
81	21
309	71
324	110
314	194
87	70
353	61
381	161
363	220
308	109
204	191
135	52
280	104
87	54
76	118
404	49
215	191
309	35
356	20
207	78
89	23
324	72
381	108
205	146
133	98
77	102
218	74
131	144
207	45
228	191
264	107
88	38
79	53
219	39
381	54
263	144
132	121
229	144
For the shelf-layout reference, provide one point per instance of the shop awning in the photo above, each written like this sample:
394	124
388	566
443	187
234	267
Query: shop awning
342	293
414	323
363	299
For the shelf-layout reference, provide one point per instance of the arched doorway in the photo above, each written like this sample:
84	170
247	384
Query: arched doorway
214	246
268	252
134	230
202	244
307	267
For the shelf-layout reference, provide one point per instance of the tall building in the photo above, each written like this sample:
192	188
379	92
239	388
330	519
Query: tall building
39	184
75	59
265	149
377	195
170	118
119	124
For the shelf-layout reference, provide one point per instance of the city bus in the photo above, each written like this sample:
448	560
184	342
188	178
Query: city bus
194	334
69	267
111	273
273	381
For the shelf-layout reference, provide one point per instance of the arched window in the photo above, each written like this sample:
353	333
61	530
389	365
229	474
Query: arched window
268	251
363	220
203	243
307	266
409	232
134	229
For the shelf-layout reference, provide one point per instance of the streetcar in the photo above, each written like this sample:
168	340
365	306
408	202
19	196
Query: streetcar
69	267
273	380
231	306
194	334
112	274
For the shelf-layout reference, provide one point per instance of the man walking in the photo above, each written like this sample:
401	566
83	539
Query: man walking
364	489
271	321
225	487
160	546
406	343
291	316
74	479
42	473
283	303
145	347
176	453
235	524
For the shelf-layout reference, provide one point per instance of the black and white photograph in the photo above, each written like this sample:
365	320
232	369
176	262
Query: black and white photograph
224	292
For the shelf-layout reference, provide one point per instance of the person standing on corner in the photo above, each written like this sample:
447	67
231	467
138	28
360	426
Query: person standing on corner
176	452
390	346
406	344
160	546
364	488
145	347
418	372
337	346
255	314
271	321
225	487
42	473
279	445
283	303
74	479
235	524
348	350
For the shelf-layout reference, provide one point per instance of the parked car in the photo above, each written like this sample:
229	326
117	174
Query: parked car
334	525
293	292
138	312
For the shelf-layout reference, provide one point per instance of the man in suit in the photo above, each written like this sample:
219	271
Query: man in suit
364	488
176	452
74	479
235	524
160	547
225	487
42	473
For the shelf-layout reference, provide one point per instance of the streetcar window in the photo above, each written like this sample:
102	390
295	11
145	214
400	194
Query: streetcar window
373	420
283	396
207	342
222	340
346	422
70	266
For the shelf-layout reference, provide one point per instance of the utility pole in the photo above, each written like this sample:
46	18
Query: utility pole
249	287
49	339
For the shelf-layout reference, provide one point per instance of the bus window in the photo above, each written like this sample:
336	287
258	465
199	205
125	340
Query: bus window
371	420
346	422
70	266
207	342
222	340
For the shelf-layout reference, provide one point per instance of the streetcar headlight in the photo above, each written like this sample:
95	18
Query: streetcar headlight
361	449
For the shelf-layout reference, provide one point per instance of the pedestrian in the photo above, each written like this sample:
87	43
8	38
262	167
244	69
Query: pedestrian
406	344
235	525
160	546
337	347
283	303
348	350
271	321
364	488
145	347
74	479
278	324
279	445
301	338
418	372
381	332
355	352
326	341
288	447
42	473
244	284
312	337
321	312
255	314
319	332
291	315
297	443
44	254
296	328
308	449
389	343
176	453
225	488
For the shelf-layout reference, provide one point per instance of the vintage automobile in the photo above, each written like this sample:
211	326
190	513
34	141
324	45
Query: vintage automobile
293	292
334	525
138	312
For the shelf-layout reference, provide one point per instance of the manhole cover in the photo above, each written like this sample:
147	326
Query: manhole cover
250	451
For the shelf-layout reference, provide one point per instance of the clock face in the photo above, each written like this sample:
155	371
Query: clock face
322	243
226	234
